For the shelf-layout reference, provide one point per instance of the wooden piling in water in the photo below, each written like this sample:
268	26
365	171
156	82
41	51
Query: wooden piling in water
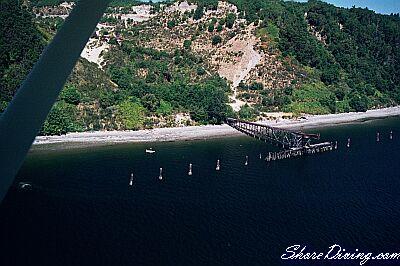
218	166
190	170
160	177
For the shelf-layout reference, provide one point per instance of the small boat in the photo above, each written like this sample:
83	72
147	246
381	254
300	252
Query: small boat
25	186
131	180
150	150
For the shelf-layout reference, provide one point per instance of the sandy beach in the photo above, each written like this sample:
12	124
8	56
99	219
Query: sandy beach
209	131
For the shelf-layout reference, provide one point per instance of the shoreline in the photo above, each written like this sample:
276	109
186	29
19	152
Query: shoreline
208	131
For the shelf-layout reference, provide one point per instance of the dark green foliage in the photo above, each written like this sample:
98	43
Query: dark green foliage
257	86
150	102
187	44
247	112
71	95
230	20
216	39
211	27
171	24
359	102
288	91
3	106
201	71
61	120
199	12
20	46
204	97
46	2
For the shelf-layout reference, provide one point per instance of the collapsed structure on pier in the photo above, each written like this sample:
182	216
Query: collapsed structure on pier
293	143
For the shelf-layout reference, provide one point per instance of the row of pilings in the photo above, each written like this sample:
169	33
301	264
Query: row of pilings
284	154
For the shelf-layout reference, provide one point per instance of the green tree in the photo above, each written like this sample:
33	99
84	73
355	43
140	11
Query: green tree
198	13
150	102
132	114
230	20
216	39
187	44
171	24
359	102
247	112
71	95
3	106
210	27
201	71
20	46
165	108
61	120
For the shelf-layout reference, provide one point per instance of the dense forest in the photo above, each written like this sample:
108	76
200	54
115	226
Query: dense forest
350	56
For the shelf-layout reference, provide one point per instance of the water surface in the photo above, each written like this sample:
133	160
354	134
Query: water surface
81	210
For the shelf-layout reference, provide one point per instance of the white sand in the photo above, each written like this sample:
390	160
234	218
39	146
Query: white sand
314	121
210	131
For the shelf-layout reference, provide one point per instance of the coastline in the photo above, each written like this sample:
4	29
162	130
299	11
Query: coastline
208	131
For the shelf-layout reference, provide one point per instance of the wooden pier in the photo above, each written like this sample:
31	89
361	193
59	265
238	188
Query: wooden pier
282	137
293	143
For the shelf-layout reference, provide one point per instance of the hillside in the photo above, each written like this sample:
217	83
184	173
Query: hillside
197	62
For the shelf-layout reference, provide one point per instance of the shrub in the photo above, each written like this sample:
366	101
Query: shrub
216	40
165	108
171	24
131	114
359	102
201	71
71	95
198	13
247	112
187	44
230	20
61	120
150	102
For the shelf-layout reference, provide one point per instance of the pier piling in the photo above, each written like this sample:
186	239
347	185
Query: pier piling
218	166
131	180
190	170
161	171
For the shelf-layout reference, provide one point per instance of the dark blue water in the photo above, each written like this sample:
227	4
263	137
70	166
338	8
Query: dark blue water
81	210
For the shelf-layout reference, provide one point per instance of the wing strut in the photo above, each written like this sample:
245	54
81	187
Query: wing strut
23	118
